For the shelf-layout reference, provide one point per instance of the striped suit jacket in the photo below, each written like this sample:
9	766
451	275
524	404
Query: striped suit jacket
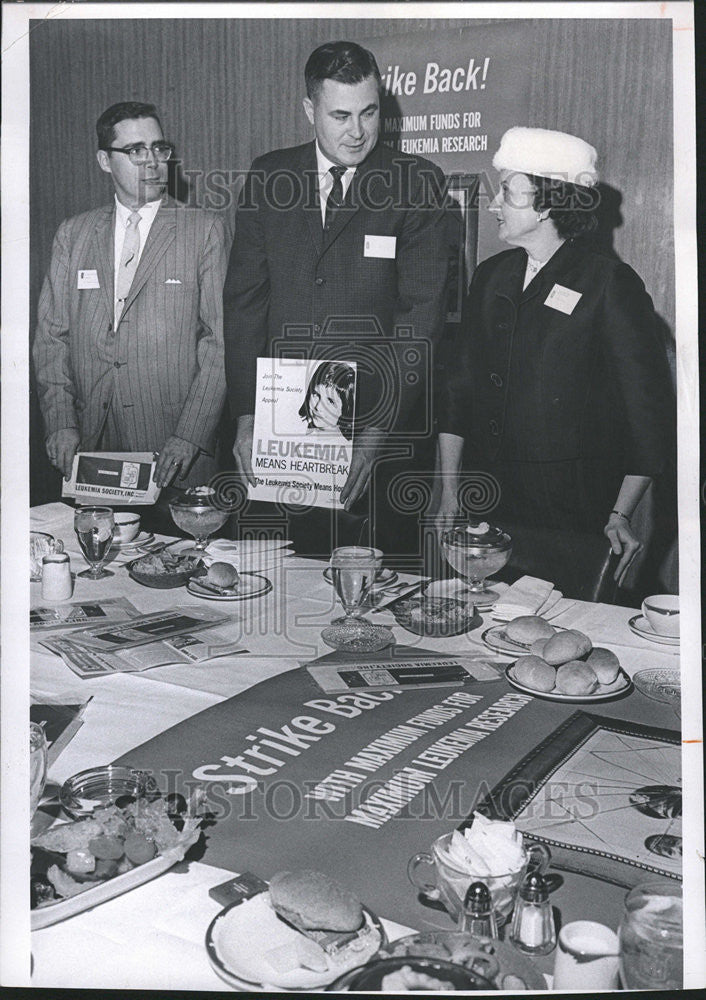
161	367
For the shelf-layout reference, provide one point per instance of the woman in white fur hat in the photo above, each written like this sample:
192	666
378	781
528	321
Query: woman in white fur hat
562	389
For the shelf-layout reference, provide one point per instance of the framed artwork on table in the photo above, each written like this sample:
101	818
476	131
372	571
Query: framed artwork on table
604	795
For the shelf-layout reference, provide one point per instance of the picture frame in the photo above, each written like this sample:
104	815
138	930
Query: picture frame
604	795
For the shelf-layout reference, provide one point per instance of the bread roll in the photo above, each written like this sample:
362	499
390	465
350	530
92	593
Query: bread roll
537	647
527	628
576	677
534	672
604	663
565	646
312	901
222	574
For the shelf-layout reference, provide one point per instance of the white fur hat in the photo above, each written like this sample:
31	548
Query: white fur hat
545	153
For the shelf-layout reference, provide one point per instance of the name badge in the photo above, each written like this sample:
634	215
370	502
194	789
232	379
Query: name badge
88	279
562	299
380	246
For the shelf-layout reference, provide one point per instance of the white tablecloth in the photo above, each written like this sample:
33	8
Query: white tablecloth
153	936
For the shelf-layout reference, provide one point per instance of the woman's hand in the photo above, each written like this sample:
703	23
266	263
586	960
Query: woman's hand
623	542
447	510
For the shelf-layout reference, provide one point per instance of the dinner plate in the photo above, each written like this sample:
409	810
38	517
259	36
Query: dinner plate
383	578
62	909
250	585
498	961
240	937
640	626
495	639
603	692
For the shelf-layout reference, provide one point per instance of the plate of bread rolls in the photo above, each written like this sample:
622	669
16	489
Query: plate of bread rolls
562	664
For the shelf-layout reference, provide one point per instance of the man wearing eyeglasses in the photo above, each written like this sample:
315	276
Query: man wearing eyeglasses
128	351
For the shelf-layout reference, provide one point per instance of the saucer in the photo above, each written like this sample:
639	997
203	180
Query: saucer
383	578
144	538
640	626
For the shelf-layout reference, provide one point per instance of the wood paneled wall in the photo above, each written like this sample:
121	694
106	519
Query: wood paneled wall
228	90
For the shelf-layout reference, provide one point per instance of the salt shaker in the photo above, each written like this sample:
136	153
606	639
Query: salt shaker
533	930
477	916
57	584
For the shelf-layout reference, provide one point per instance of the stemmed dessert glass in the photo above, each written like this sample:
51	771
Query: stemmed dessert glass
353	569
195	513
94	527
476	550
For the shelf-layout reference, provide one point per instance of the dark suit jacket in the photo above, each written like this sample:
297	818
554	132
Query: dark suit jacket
288	282
531	383
162	367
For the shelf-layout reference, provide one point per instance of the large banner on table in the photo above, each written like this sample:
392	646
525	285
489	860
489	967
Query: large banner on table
449	96
351	784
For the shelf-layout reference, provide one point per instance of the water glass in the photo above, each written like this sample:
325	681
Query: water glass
37	765
353	570
651	937
94	527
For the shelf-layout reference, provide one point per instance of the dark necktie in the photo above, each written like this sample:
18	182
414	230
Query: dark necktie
335	198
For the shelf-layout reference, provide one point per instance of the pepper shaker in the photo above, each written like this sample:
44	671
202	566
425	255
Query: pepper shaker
477	915
533	930
57	584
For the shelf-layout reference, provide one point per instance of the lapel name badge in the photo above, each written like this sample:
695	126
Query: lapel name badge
88	279
562	299
380	246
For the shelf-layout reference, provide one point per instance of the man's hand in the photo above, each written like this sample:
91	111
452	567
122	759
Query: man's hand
61	447
242	447
622	540
365	447
176	456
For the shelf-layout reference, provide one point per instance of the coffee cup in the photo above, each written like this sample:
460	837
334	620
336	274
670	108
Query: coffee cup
127	526
41	544
662	613
586	957
438	879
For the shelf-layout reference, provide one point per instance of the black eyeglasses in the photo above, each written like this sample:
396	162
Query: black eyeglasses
140	154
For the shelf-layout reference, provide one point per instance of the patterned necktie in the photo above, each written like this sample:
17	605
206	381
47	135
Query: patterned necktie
335	198
128	262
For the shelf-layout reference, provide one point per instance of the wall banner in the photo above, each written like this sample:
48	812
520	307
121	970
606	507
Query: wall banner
449	96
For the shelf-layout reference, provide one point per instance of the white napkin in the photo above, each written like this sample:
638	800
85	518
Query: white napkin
250	555
49	513
527	596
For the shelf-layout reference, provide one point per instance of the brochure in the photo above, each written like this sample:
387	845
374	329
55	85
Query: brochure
124	477
401	667
78	614
303	432
149	628
187	648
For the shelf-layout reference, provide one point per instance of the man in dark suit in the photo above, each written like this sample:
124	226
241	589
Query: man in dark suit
340	251
128	351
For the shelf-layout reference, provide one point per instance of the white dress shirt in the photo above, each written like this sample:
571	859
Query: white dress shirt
147	212
323	165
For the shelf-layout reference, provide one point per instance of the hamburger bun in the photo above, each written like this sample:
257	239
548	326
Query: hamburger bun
565	646
312	901
576	677
604	663
537	647
534	672
222	574
527	628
